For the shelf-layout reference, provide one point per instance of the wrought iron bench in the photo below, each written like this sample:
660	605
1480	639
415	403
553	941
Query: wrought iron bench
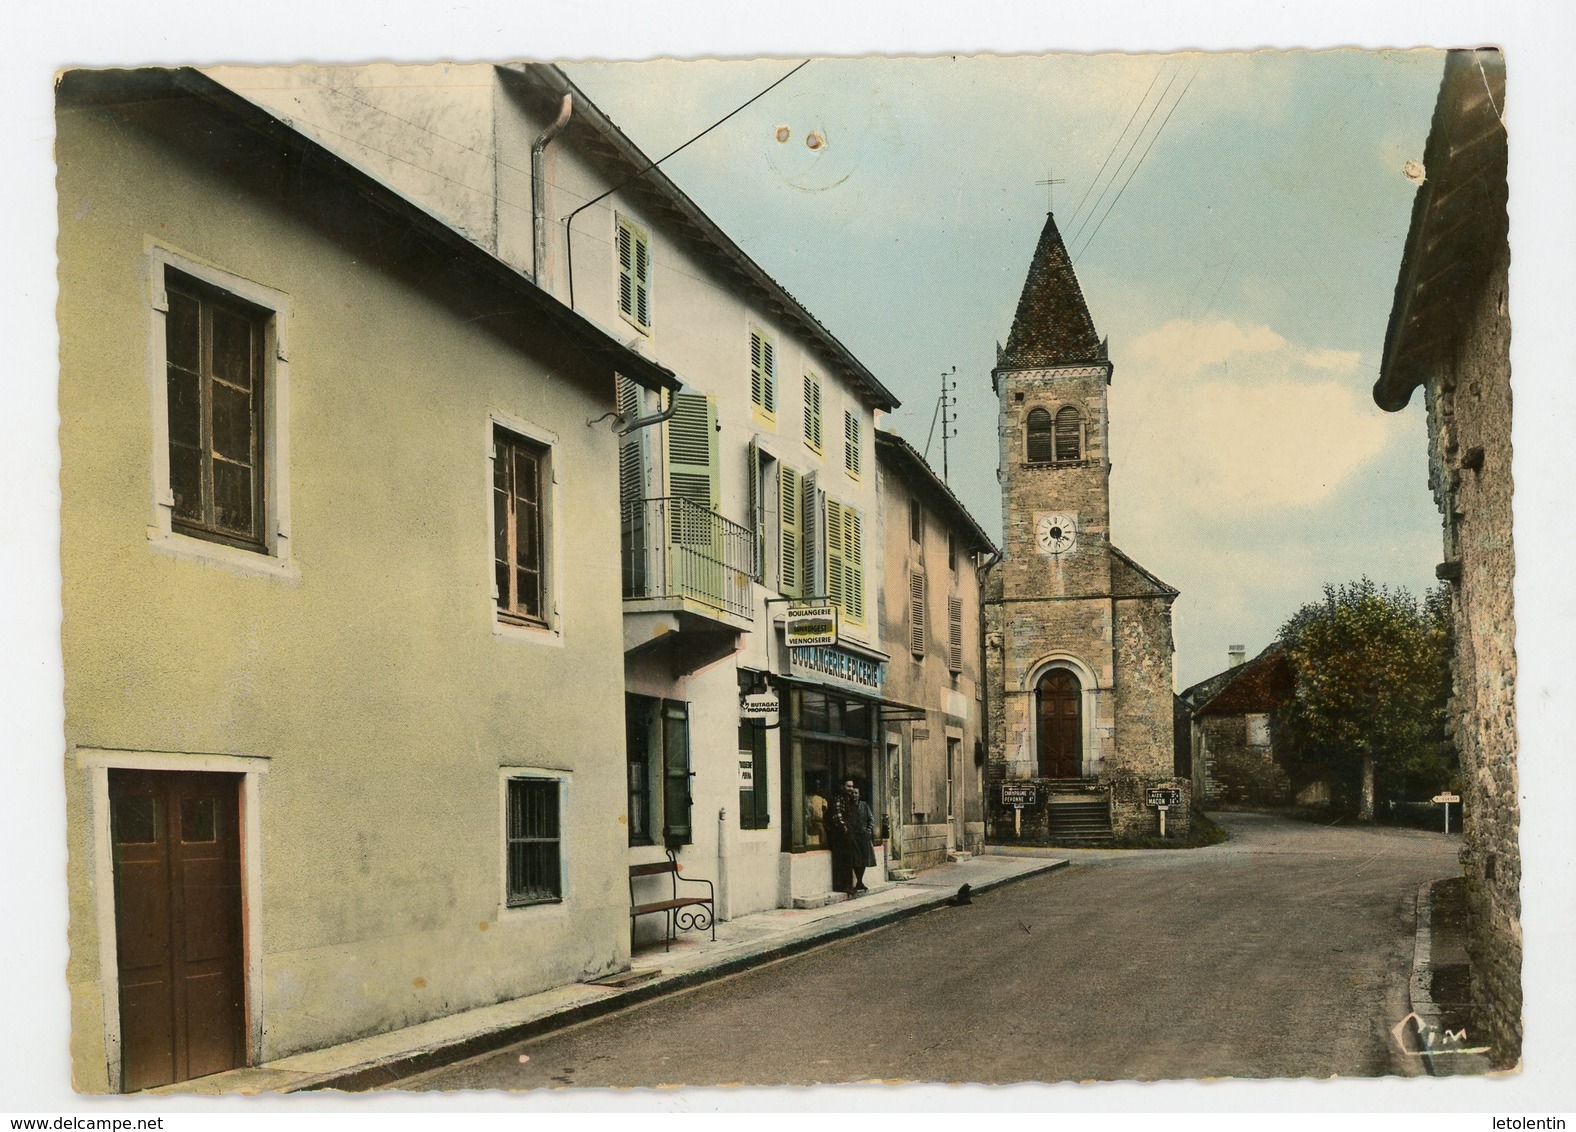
684	913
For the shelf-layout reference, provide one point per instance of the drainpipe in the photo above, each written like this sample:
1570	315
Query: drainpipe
539	188
724	909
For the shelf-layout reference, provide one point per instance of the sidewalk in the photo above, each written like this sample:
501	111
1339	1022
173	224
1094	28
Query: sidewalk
748	941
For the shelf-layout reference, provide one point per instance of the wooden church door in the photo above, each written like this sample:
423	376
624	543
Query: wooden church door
1060	705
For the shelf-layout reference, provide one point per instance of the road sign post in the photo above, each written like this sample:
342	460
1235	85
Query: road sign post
1163	798
1445	799
1017	795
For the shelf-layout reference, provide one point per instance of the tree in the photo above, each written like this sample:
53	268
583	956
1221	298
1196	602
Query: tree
1371	667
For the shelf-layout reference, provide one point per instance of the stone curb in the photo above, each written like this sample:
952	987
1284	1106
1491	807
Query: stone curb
1421	992
387	1072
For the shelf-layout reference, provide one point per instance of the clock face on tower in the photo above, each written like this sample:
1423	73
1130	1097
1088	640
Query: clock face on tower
1055	533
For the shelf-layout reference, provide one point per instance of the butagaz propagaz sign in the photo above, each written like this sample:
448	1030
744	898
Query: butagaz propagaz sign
760	705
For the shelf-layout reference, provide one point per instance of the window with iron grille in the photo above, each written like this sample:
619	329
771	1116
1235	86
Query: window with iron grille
634	274
215	412
535	863
519	468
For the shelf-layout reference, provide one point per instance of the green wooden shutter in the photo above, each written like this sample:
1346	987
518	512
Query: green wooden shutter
675	773
836	573
916	613
634	274
851	443
812	525
812	411
692	467
643	280
790	546
757	509
626	271
955	634
854	563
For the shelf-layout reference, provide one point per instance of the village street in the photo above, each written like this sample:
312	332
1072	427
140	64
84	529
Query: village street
1284	952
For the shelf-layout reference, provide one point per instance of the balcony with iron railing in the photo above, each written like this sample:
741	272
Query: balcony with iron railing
673	549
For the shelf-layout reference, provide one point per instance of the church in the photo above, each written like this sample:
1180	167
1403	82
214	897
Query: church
1078	635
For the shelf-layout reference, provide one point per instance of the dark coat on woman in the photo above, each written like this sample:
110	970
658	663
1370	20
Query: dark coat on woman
855	826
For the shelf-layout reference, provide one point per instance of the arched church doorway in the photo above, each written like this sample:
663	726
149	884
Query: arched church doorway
1059	707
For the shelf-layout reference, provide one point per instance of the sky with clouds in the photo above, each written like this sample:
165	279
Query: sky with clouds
1237	223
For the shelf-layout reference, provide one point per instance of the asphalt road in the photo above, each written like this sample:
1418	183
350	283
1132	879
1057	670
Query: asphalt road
1283	953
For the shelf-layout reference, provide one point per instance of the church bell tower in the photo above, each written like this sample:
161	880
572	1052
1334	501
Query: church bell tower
1078	635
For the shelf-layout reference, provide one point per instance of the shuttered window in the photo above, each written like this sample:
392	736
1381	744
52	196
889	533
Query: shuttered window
851	445
634	274
812	411
214	402
790	544
845	560
535	873
518	528
692	468
763	374
1041	445
955	634
916	613
1069	435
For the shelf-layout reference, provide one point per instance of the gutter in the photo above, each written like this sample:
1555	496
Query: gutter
539	188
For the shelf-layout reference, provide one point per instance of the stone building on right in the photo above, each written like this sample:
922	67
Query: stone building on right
1449	334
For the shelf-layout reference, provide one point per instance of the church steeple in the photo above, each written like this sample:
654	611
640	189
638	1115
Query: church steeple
1052	326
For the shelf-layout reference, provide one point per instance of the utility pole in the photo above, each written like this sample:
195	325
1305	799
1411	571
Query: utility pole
949	415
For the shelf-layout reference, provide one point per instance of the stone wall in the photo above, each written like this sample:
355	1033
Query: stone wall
1469	408
1236	771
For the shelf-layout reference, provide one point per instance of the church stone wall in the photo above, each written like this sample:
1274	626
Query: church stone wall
1145	754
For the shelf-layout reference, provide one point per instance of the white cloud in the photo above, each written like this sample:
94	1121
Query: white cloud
1269	424
1341	360
1182	348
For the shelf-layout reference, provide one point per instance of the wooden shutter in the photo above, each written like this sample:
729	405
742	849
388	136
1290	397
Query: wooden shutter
763	373
854	563
916	613
790	546
812	411
1040	448
692	466
836	588
675	773
812	524
634	274
1069	434
955	634
851	443
757	508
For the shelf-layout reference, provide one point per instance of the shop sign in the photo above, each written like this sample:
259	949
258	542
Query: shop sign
810	626
760	706
746	774
837	665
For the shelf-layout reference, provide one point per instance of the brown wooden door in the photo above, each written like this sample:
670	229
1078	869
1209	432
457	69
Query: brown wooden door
1060	702
177	924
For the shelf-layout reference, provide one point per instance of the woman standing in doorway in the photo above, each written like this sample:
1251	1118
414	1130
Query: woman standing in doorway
854	831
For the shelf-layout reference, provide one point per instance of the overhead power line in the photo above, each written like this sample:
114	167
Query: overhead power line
1101	171
1138	137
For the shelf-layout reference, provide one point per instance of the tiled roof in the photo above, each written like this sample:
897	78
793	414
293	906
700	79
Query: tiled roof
1052	326
1263	684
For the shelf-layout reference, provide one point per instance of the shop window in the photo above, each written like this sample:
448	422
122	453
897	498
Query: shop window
828	738
535	869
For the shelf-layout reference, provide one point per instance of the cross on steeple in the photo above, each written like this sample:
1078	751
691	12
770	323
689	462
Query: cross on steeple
1050	184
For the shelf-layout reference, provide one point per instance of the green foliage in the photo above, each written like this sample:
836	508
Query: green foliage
1372	672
